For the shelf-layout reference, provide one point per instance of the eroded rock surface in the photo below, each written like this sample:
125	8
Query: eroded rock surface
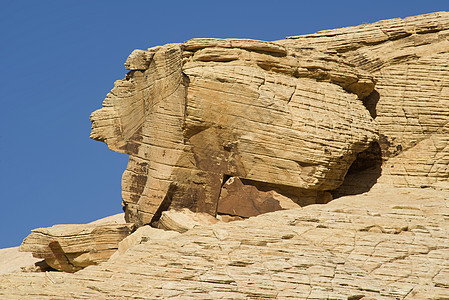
386	244
192	115
243	127
409	60
291	113
71	247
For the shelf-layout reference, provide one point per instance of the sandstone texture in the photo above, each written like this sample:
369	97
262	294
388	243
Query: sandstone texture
192	115
385	244
184	220
410	102
289	116
71	247
314	167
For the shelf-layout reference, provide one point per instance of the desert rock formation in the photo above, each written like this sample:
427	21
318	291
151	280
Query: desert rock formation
72	247
193	115
271	132
410	102
385	244
289	116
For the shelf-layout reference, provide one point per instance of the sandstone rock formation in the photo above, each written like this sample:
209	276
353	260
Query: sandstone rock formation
290	116
386	244
243	127
410	103
71	247
192	115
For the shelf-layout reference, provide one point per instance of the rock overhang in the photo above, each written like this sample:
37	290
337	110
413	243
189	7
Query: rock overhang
192	114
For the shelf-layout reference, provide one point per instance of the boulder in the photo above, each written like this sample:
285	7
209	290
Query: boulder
72	247
191	115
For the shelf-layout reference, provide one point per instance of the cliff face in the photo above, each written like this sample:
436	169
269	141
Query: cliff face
289	116
192	115
410	102
235	128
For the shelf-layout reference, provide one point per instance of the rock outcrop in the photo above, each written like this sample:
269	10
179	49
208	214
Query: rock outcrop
289	116
267	133
410	102
386	244
192	115
72	247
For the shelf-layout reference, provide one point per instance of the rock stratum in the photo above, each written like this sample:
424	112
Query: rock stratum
237	149
290	116
384	244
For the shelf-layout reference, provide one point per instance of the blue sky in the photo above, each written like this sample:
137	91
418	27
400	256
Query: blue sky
59	59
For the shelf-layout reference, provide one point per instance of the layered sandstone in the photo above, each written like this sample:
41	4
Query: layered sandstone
72	247
386	244
242	128
192	115
409	60
289	116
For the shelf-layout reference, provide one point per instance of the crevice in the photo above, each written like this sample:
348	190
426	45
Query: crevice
223	181
185	82
363	173
370	102
165	204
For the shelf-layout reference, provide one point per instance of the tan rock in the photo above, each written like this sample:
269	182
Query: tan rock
142	235
184	220
385	244
209	109
408	58
71	247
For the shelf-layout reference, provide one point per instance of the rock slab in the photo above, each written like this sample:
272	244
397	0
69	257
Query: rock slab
386	244
71	247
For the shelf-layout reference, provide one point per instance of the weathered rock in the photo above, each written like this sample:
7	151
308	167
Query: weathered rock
193	115
71	247
142	235
12	260
409	60
242	200
386	244
190	115
184	220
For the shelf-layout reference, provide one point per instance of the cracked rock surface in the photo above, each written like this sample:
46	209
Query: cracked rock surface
242	127
409	60
389	243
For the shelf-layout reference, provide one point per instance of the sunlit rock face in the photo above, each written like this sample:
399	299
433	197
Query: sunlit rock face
289	116
192	115
409	60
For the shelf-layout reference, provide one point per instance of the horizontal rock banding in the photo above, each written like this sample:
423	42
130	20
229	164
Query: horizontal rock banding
191	115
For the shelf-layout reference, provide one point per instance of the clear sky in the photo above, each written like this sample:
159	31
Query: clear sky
59	59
